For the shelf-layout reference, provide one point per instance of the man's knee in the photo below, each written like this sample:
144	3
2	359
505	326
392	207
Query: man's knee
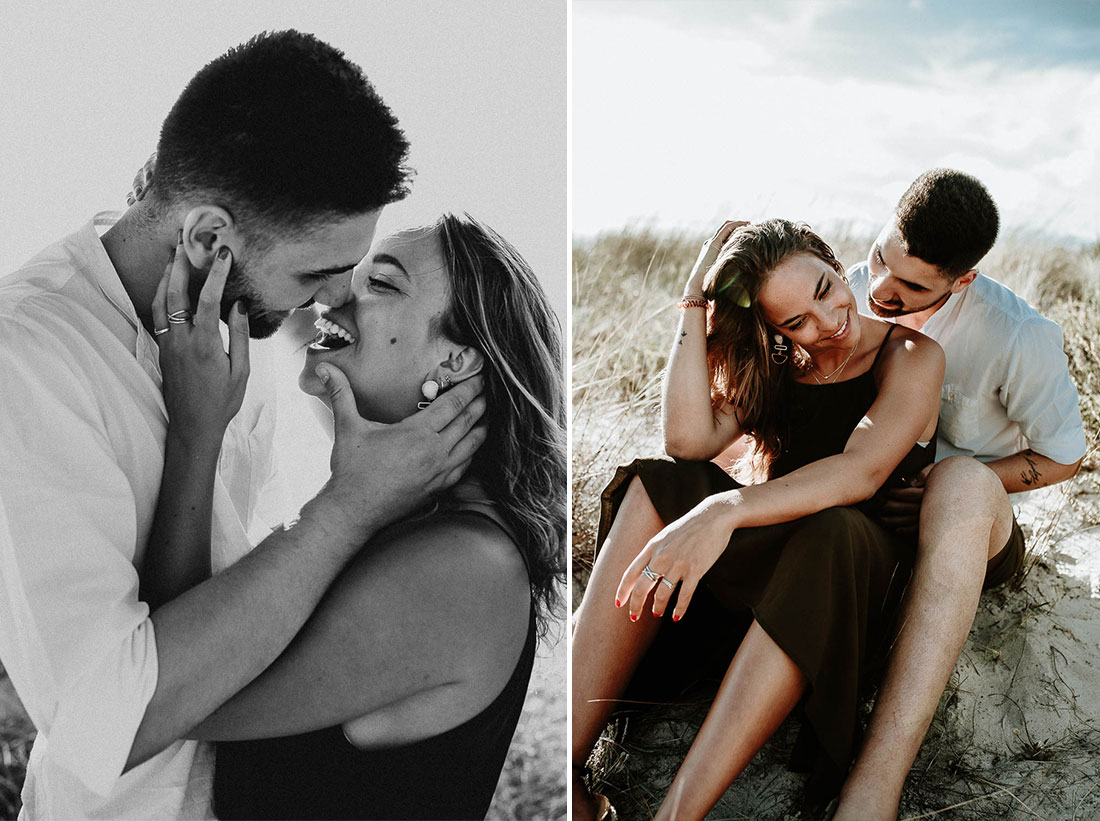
959	491
965	482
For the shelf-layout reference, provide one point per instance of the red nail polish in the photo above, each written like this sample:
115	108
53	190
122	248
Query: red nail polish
618	603
675	616
633	617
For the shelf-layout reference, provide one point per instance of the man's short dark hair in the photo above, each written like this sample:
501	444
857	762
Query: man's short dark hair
284	132
947	219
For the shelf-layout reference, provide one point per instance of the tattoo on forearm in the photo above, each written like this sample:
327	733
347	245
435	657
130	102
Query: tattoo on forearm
680	341
1031	476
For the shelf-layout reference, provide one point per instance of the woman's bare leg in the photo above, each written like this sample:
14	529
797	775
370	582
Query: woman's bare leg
607	646
759	690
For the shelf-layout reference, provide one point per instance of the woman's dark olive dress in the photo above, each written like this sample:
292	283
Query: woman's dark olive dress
322	775
825	588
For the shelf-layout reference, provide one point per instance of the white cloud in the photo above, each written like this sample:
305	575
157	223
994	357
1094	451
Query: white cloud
676	123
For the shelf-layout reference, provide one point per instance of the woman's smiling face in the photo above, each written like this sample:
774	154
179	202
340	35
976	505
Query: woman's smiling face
386	338
807	301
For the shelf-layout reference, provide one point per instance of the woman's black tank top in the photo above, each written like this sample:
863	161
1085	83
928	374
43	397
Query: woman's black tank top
819	419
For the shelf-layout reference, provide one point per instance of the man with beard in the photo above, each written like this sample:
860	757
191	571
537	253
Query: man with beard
1009	422
276	160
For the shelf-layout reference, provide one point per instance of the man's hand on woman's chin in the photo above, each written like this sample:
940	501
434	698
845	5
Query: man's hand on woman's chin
398	467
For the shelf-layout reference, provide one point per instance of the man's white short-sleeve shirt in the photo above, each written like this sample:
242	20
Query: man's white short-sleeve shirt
1007	385
83	426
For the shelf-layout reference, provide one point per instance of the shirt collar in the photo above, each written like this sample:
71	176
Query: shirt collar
101	272
946	311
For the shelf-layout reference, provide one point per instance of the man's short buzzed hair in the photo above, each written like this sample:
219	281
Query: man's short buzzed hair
286	133
947	219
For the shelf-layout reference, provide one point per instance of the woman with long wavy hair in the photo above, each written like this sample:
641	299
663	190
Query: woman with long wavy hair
784	589
434	623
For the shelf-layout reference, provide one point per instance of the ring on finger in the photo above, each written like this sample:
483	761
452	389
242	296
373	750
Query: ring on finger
667	583
159	331
652	576
180	317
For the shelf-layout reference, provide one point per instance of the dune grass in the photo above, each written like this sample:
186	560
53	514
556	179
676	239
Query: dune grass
625	288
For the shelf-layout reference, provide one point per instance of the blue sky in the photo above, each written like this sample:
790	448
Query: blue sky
685	113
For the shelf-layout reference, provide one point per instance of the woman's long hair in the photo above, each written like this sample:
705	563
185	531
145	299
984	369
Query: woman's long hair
498	307
740	345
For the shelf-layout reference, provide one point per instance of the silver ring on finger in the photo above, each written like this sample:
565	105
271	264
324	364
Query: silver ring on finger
180	317
667	583
159	331
649	574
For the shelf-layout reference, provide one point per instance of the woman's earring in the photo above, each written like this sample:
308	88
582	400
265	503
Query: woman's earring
431	389
779	351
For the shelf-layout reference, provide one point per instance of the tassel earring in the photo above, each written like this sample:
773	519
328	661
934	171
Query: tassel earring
779	351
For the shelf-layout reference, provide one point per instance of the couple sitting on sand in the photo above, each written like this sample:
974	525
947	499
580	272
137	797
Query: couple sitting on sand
890	410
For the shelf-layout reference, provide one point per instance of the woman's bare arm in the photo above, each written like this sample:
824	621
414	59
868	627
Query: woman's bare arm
440	606
693	429
906	407
203	390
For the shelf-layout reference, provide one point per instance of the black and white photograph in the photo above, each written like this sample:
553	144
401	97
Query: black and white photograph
283	493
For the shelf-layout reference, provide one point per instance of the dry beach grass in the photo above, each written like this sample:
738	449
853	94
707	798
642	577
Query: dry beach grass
1017	733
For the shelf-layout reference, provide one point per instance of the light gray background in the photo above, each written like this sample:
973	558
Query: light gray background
479	87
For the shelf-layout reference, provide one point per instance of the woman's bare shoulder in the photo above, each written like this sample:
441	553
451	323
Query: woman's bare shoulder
462	544
467	568
912	348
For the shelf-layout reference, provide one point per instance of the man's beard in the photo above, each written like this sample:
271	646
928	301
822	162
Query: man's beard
901	310
240	285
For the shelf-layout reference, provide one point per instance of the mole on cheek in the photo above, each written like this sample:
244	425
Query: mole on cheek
393	341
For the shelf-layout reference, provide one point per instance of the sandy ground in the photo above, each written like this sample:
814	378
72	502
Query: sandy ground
1017	732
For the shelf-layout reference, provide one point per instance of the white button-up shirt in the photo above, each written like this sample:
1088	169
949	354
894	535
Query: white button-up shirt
1007	385
82	431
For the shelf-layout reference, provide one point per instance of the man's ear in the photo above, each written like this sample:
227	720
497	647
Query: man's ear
207	228
962	282
462	364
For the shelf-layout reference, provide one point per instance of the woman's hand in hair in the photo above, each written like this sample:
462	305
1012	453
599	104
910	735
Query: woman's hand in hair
708	254
680	554
693	427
